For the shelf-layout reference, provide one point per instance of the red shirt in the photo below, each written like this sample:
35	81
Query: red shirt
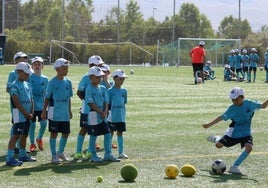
197	54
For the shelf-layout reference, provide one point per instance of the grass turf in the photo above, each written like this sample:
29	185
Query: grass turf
165	112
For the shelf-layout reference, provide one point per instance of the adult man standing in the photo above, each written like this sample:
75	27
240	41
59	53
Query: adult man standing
198	55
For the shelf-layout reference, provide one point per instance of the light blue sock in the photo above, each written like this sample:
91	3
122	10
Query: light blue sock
91	145
52	143
241	158
22	152
10	154
107	144
32	132
43	126
63	142
80	141
249	76
120	141
254	76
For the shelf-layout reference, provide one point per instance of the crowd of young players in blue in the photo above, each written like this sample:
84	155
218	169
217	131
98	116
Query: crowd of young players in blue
33	97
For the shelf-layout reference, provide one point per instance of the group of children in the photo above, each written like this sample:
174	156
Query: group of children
240	67
33	97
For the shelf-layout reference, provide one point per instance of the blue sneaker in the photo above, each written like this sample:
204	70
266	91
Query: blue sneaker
27	158
13	162
111	158
96	159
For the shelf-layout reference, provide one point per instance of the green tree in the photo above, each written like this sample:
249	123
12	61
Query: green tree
229	28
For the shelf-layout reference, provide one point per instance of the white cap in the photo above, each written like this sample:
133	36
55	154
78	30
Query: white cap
120	73
253	50
19	55
61	62
201	43
208	62
236	50
245	51
25	67
227	66
236	92
105	67
37	59
96	71
95	60
232	51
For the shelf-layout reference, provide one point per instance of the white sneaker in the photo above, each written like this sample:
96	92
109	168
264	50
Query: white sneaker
123	156
55	159
63	157
213	138
234	170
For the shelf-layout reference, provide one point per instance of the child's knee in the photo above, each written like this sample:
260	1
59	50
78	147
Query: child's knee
248	148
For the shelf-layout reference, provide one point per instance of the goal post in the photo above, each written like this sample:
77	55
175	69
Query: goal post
217	50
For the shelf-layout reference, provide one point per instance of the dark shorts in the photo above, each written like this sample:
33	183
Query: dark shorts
83	120
120	126
198	67
238	70
100	129
21	128
253	68
37	114
229	142
245	69
59	127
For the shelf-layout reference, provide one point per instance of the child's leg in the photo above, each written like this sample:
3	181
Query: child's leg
243	155
120	141
43	126
107	144
22	140
32	132
11	147
254	76
63	141
52	143
80	139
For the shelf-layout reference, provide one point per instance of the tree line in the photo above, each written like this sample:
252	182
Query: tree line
32	25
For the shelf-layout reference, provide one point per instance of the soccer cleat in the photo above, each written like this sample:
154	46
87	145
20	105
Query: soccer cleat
111	158
27	158
63	157
55	159
114	146
14	162
97	146
96	159
213	138
78	155
123	156
32	147
234	170
40	144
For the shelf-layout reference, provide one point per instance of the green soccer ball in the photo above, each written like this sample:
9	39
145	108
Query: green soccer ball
129	172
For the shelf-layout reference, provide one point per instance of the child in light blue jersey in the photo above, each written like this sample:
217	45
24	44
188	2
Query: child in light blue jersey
58	104
38	83
117	98
238	65
239	132
231	61
253	64
22	113
96	98
245	62
228	74
94	60
266	65
209	73
13	75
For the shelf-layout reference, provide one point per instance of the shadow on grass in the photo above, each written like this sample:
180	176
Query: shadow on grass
126	182
60	168
222	178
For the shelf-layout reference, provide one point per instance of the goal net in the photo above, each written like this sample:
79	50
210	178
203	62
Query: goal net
122	53
217	50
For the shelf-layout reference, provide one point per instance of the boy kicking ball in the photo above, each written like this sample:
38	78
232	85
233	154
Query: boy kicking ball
239	132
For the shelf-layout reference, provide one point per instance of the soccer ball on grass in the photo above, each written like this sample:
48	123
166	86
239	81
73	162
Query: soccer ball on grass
129	172
172	171
188	170
131	71
218	166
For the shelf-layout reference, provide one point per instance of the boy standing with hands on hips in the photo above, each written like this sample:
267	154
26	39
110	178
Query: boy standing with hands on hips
241	113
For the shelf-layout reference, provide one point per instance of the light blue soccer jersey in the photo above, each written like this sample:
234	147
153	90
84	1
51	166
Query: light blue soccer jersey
59	92
266	60
98	96
83	84
241	117
231	61
39	87
13	75
24	93
245	60
237	61
253	60
117	98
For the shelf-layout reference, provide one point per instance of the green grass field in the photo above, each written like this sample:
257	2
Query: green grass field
165	112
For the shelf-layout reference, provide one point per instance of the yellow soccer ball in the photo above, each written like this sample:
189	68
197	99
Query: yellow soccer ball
188	170
172	171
